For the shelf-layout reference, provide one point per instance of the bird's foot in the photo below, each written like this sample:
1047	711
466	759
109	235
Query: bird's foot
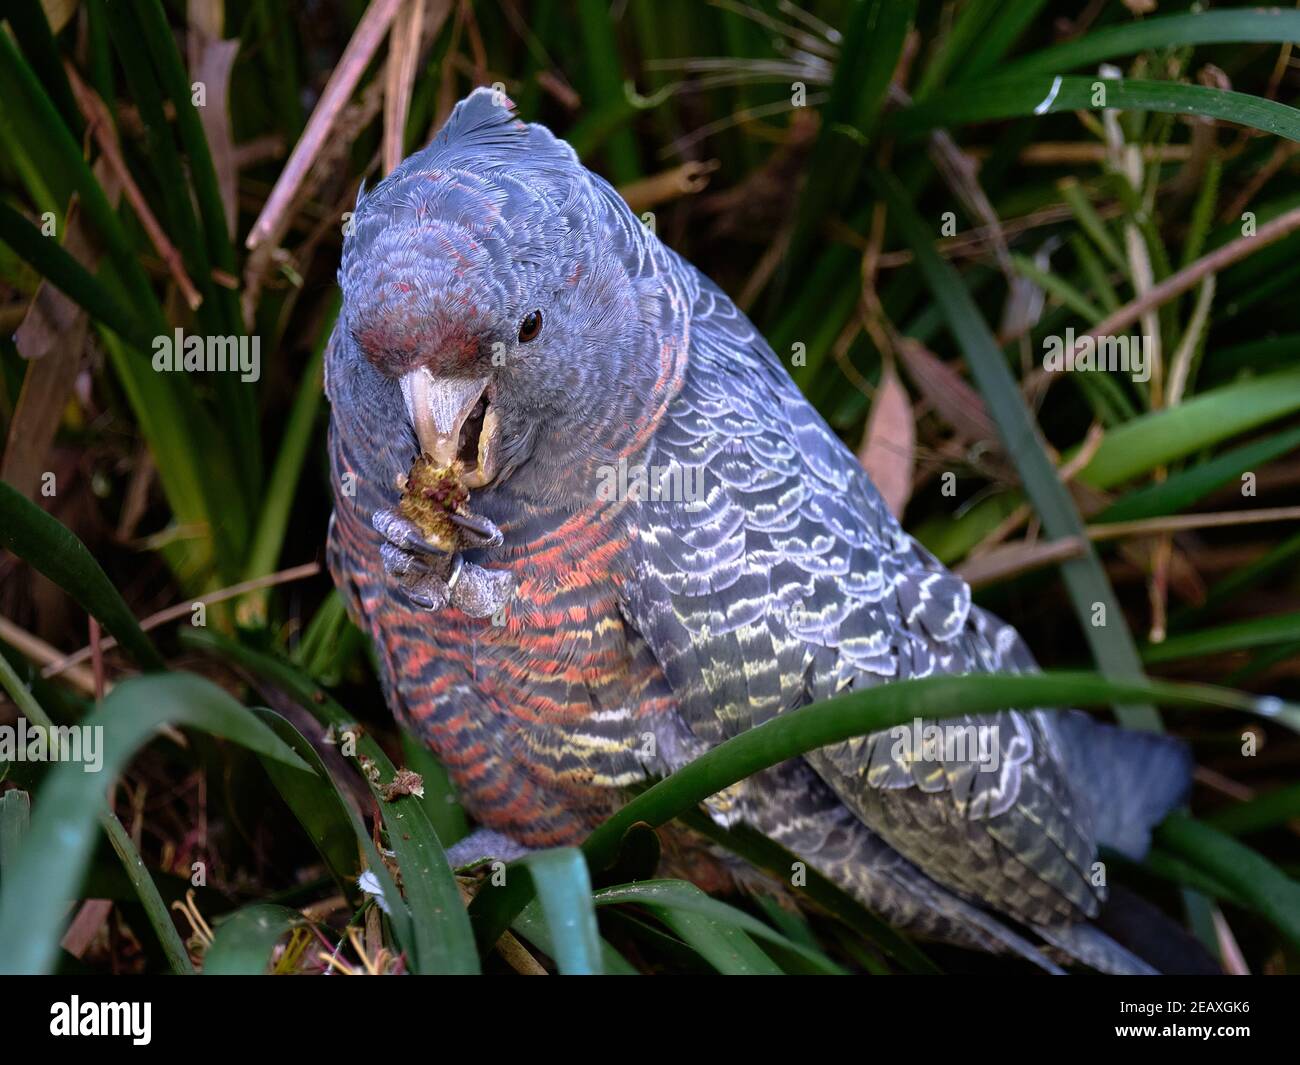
484	845
432	576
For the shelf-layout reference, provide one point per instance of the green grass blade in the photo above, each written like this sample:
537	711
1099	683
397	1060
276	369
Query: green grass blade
533	927
320	808
445	942
1253	878
1112	644
15	817
138	880
874	37
989	48
841	718
30	26
828	896
685	897
1232	586
242	943
1041	94
722	943
605	84
48	546
325	814
48	871
1238	25
563	888
1239	636
1262	812
968	26
60	269
282	488
1162	437
176	83
1186	487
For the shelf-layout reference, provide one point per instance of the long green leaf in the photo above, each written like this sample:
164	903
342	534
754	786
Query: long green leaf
242	943
1237	25
15	817
873	37
50	547
822	892
724	944
60	269
1112	643
563	888
315	799
1041	94
682	896
534	927
1164	436
1259	813
141	883
1238	636
49	868
444	941
1186	487
855	714
282	488
1255	880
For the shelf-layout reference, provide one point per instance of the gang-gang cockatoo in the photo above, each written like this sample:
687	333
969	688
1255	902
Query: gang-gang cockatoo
505	313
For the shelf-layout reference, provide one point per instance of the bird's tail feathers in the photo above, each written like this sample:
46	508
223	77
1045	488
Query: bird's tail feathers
1130	779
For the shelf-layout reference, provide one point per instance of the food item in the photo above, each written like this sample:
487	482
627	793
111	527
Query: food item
430	494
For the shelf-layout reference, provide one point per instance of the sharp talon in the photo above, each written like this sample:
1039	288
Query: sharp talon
482	532
403	533
428	592
457	565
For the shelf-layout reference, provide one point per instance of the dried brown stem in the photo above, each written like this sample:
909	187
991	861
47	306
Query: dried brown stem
343	81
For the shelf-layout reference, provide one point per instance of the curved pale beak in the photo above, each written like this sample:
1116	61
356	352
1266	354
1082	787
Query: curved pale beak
438	408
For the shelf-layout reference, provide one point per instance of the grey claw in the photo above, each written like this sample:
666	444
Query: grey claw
484	845
429	592
477	530
402	533
401	563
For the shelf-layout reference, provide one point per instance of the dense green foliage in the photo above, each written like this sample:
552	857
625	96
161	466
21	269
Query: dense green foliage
912	200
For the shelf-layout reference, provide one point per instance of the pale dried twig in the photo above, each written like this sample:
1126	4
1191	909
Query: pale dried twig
173	613
403	56
343	81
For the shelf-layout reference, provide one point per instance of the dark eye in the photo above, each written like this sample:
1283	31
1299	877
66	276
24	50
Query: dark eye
530	327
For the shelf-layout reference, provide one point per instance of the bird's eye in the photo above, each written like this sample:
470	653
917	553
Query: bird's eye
530	327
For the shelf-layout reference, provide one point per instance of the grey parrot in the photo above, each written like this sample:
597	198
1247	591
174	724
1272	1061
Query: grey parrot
656	543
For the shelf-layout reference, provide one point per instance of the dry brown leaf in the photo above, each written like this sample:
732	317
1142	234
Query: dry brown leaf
888	449
212	67
53	336
956	402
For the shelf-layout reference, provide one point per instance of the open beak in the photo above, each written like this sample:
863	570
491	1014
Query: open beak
455	423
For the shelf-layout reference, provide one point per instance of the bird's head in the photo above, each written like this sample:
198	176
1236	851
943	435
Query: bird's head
493	294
